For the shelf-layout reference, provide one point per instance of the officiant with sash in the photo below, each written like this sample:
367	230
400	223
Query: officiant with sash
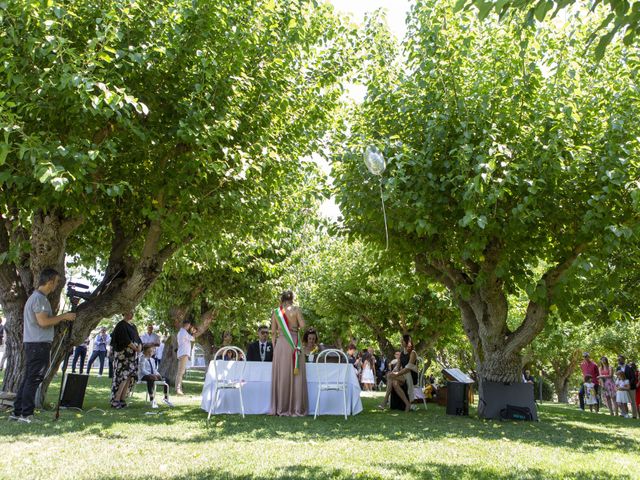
289	396
262	349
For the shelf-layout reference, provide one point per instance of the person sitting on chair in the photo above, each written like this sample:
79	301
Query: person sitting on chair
400	383
262	349
310	346
149	373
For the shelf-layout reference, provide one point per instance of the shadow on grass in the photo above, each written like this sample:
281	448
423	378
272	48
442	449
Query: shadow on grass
560	426
394	470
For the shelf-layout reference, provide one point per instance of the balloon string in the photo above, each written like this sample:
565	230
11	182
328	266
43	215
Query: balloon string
384	214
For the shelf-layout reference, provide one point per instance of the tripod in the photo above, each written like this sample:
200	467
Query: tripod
65	342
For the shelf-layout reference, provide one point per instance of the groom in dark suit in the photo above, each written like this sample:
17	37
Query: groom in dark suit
261	350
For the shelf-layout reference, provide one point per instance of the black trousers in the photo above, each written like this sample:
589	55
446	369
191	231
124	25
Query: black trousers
151	382
92	358
36	356
80	352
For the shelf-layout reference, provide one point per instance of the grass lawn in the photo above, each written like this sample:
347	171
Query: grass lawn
178	444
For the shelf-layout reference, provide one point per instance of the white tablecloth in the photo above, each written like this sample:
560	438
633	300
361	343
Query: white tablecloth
256	391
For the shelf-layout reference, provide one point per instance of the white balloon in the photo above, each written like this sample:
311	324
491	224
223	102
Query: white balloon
374	160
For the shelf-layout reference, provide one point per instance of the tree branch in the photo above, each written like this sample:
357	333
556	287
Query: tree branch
536	315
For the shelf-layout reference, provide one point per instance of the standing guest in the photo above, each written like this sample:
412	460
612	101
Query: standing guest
589	367
99	350
590	396
310	346
160	352
622	393
37	337
351	355
608	385
368	378
262	349
80	352
151	338
637	399
289	395
126	345
629	374
526	377
183	353
149	373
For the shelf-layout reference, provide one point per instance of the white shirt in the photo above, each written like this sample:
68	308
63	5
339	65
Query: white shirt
184	343
150	338
159	351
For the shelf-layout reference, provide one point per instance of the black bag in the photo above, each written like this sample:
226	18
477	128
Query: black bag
516	413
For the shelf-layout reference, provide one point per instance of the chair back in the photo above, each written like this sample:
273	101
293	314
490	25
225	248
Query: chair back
229	372
332	376
422	372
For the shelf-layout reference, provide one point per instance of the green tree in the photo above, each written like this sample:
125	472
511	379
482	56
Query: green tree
510	153
621	16
130	129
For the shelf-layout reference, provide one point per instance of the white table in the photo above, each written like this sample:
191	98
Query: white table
256	391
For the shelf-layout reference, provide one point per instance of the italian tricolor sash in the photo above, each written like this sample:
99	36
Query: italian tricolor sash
283	321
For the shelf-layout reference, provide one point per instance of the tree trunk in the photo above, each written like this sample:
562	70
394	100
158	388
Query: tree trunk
169	364
562	389
123	287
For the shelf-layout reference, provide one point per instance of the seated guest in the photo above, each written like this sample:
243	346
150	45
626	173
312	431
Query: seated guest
310	346
150	338
382	367
148	372
262	349
227	340
400	383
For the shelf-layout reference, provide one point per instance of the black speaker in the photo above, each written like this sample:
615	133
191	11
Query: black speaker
75	387
497	395
457	398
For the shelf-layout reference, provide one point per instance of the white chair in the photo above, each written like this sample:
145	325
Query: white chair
335	384
418	390
155	386
228	378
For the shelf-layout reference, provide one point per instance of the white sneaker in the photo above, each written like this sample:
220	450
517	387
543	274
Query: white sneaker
28	419
154	404
167	402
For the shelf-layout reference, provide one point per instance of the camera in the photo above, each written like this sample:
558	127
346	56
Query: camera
77	292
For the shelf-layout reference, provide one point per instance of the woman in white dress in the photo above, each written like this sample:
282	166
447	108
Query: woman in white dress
368	377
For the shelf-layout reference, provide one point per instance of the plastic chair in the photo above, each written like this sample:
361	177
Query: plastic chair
327	384
228	378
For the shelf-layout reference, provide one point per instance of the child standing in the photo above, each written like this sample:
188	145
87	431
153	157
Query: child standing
622	393
368	369
590	395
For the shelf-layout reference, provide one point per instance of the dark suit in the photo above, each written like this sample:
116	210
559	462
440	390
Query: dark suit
253	352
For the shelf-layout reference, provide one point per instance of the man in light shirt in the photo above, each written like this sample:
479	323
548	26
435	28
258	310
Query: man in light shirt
150	338
100	347
183	353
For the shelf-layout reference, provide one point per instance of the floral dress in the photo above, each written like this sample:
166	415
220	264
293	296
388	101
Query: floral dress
608	385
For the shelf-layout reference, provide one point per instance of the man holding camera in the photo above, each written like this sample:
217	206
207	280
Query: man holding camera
37	338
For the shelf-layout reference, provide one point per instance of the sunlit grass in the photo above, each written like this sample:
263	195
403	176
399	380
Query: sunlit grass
178	444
